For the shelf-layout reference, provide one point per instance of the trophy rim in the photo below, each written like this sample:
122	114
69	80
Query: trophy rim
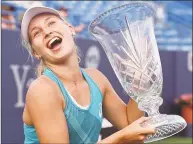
105	13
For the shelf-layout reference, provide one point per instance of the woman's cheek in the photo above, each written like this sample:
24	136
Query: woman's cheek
38	44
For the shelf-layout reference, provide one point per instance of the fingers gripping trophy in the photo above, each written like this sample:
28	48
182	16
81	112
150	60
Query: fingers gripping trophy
127	36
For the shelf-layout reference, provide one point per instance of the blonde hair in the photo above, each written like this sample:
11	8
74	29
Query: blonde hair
40	68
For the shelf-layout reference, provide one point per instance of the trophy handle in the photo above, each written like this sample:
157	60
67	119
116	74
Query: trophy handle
150	105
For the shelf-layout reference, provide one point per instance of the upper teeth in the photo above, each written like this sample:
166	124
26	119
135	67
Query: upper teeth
52	40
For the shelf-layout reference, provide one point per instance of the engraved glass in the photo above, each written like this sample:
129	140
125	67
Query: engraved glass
126	34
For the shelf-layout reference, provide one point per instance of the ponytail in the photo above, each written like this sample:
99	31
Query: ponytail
40	68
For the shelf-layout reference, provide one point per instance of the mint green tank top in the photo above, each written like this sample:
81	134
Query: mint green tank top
84	123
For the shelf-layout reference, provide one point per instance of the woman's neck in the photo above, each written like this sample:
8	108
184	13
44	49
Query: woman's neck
69	71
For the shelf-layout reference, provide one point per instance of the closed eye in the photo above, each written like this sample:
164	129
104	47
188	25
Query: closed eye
51	23
36	33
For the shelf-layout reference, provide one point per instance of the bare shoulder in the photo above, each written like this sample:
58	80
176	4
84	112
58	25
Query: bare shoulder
42	89
41	85
95	73
98	77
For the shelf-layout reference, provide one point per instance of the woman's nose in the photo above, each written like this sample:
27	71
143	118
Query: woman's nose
48	34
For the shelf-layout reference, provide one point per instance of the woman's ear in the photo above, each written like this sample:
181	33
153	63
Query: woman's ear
73	33
71	28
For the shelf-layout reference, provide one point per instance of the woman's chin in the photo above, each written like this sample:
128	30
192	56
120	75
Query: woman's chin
61	58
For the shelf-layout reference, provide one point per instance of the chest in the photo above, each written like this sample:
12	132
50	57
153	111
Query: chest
80	92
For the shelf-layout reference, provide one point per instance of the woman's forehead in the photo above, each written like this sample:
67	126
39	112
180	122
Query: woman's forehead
40	18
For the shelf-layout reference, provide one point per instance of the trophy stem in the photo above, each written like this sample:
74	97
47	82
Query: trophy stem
165	125
150	105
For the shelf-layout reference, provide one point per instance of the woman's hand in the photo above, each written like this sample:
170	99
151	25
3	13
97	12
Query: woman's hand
135	133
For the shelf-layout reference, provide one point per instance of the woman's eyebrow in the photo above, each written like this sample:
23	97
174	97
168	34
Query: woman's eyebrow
48	18
34	28
44	22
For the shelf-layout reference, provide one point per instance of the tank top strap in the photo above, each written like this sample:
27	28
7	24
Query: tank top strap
49	73
93	85
87	77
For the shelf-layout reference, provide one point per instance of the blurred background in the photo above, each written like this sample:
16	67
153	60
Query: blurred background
173	31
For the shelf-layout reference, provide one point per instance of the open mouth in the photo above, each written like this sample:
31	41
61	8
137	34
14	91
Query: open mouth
54	43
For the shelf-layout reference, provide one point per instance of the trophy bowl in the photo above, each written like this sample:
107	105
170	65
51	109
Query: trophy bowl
126	34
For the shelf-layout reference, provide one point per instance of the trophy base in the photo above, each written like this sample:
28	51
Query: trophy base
165	125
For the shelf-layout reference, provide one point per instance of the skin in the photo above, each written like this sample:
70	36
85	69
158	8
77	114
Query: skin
45	103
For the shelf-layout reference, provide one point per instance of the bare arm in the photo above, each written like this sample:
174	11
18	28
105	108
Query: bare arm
133	112
45	107
114	109
131	134
127	118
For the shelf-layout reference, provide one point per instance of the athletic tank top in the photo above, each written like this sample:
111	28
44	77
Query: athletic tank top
84	123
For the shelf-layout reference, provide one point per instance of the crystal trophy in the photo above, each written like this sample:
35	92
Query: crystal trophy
126	34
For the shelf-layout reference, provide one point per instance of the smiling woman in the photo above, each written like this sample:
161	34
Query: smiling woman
66	103
37	44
